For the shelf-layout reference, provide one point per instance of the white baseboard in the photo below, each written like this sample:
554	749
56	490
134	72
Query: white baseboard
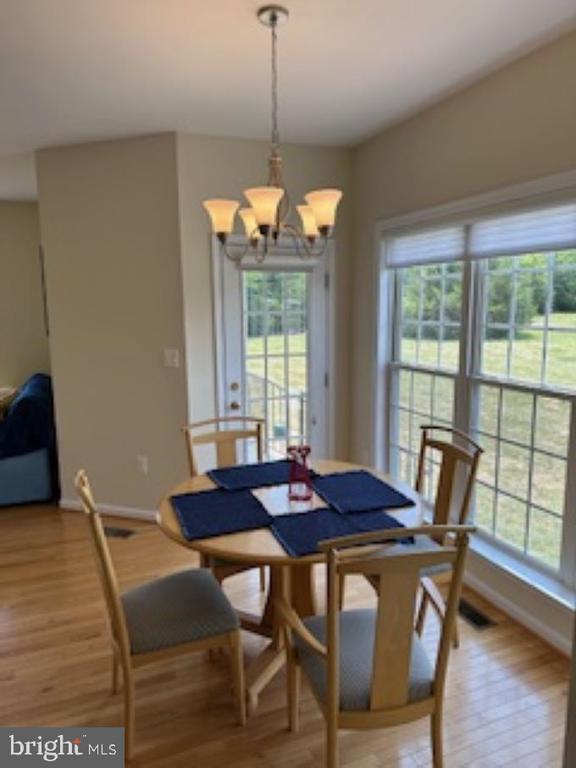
530	620
113	509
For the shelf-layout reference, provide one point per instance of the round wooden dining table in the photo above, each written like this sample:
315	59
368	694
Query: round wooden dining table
290	577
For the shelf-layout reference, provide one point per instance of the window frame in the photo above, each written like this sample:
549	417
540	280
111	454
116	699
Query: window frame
468	377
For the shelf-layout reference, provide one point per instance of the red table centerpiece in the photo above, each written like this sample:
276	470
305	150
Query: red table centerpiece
300	488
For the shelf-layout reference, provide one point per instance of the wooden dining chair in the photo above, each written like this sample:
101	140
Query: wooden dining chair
226	444
225	440
458	467
367	667
459	463
178	614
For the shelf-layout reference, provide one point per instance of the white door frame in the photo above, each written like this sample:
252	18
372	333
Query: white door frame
285	257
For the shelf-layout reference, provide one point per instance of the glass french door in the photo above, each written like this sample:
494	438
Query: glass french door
273	349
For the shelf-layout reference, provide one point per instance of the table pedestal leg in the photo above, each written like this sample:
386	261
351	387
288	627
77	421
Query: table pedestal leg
302	596
294	584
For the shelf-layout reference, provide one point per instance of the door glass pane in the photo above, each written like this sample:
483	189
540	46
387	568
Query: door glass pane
297	374
253	292
255	338
297	337
275	308
255	381
275	376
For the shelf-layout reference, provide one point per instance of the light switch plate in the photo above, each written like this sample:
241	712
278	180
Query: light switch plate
171	357
143	464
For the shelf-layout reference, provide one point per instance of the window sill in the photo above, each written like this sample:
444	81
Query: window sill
547	585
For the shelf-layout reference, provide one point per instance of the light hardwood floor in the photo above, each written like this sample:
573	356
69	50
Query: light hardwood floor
506	691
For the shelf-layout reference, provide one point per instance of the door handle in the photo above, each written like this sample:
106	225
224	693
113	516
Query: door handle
234	406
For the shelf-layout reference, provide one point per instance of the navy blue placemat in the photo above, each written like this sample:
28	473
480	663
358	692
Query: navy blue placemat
246	476
377	520
358	491
214	513
299	534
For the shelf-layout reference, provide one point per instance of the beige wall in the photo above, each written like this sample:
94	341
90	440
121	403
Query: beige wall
214	167
129	273
23	339
109	224
515	125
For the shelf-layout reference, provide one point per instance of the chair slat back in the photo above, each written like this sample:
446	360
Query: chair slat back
393	641
398	569
457	462
105	567
224	440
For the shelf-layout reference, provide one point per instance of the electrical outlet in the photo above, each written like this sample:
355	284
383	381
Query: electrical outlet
171	357
142	462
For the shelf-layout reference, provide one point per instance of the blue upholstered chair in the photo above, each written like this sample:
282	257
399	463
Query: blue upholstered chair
28	462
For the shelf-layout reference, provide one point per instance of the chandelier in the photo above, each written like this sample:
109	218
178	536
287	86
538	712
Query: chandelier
266	217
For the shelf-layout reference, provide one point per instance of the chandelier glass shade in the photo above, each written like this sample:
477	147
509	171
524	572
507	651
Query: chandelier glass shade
268	214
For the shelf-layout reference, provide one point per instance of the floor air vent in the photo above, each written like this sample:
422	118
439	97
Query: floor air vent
118	533
473	616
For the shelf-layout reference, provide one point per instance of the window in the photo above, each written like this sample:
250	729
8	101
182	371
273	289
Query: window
522	476
484	338
420	398
529	319
431	298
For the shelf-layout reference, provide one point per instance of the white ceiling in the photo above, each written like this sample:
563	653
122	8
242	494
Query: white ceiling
73	70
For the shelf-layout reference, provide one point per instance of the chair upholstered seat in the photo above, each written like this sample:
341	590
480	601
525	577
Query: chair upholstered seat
177	609
357	637
426	544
